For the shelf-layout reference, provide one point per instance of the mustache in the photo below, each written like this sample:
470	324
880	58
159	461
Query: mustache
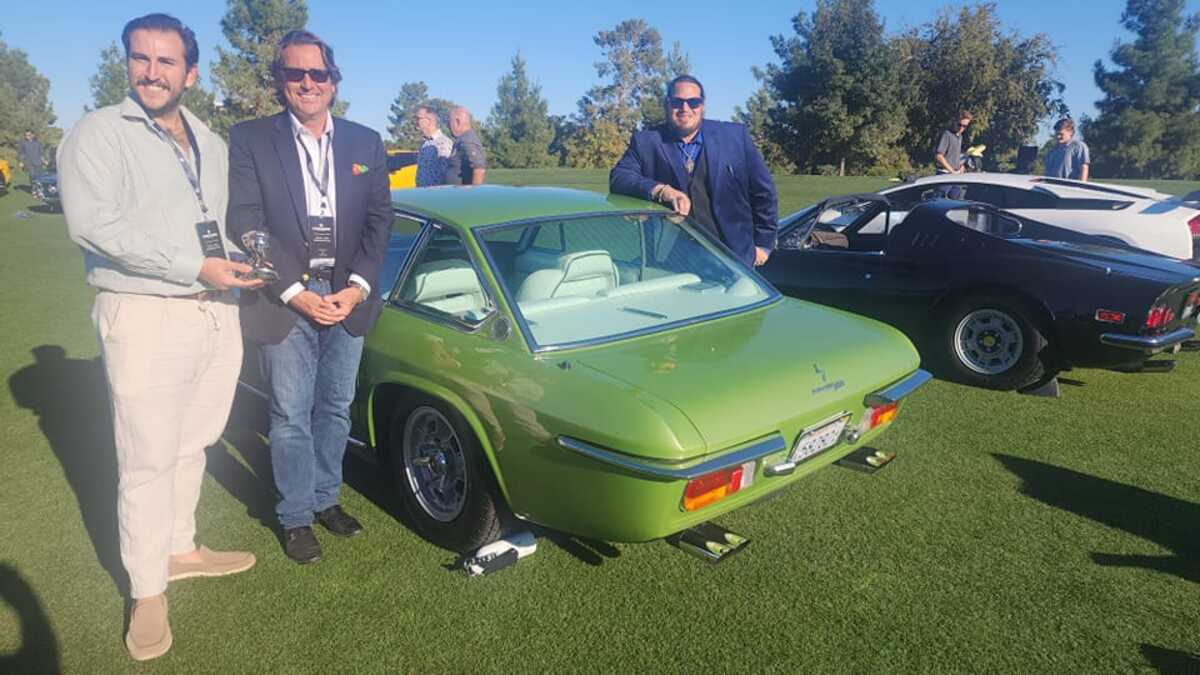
145	82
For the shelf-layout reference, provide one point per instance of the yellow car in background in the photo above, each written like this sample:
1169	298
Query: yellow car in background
402	168
5	176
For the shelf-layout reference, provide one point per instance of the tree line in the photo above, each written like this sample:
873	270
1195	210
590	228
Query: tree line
844	95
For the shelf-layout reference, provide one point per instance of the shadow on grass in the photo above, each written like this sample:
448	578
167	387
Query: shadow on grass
70	399
1169	522
38	652
1169	660
45	209
255	487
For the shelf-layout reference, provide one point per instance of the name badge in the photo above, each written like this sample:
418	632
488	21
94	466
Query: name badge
211	243
320	241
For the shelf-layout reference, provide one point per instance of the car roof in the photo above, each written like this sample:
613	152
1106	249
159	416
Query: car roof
473	206
1061	187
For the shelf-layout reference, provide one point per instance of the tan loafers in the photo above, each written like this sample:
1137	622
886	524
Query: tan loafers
211	564
149	635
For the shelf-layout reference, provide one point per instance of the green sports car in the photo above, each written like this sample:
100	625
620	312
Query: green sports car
600	366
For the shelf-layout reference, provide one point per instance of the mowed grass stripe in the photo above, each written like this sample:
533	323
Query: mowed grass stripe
1012	534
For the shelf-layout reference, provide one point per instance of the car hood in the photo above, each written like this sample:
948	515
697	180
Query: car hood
1125	261
744	377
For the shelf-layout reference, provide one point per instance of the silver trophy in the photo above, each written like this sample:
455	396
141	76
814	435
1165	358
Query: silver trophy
257	243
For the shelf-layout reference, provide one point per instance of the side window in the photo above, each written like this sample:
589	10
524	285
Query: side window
622	242
906	199
988	194
549	237
405	229
1015	198
444	281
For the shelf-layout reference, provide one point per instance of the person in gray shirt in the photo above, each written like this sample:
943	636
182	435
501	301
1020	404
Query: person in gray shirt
947	155
31	155
1071	157
468	162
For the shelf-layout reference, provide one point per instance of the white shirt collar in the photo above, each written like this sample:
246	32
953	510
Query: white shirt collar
298	128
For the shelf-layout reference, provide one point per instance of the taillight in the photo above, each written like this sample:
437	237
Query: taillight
1159	316
1194	226
883	414
715	486
1110	316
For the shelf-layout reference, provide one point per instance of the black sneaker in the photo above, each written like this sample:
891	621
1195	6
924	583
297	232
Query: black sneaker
301	545
339	522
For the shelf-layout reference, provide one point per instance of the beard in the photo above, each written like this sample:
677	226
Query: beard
174	96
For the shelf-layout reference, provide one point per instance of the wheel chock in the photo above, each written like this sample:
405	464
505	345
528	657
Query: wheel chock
1048	389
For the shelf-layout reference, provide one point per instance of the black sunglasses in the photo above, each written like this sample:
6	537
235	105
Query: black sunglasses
297	74
693	103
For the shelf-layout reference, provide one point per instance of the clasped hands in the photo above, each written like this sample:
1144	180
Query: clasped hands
327	310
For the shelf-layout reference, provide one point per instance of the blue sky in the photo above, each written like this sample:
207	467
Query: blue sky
380	45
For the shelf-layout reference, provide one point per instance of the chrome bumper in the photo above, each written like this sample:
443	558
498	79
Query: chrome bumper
762	448
1148	342
898	390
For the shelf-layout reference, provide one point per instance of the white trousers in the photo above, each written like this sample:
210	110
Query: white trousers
172	366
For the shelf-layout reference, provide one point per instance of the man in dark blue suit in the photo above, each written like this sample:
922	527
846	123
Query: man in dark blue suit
318	186
705	169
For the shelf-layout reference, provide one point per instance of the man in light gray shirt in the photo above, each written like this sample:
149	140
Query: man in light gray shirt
1071	157
144	189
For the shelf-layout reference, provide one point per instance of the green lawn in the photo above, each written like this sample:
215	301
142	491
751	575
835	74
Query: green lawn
1012	534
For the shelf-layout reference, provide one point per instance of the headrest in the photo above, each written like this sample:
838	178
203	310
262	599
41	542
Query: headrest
587	265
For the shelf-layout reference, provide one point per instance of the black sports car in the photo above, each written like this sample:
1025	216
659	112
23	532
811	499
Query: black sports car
44	186
996	300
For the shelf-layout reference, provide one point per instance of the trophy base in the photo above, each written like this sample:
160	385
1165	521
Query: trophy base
265	274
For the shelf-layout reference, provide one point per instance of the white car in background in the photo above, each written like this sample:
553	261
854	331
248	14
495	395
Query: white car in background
1140	217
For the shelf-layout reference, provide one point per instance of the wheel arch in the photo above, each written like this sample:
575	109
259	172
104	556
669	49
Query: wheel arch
384	398
1043	317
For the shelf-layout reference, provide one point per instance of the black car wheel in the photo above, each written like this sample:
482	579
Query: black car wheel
991	342
442	477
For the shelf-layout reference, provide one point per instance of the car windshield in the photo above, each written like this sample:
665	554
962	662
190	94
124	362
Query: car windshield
589	278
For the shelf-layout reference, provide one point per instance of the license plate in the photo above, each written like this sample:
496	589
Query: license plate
821	438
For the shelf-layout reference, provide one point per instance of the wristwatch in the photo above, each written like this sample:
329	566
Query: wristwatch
360	288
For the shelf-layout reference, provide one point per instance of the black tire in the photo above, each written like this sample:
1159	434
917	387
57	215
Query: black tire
991	341
479	515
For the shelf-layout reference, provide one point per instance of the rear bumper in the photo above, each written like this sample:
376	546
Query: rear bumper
1148	343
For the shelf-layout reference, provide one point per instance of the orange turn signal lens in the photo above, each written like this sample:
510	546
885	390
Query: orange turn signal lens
883	414
715	486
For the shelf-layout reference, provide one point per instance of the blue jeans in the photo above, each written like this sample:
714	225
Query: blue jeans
312	374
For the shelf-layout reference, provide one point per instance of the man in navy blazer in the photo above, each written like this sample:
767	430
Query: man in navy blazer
318	186
705	169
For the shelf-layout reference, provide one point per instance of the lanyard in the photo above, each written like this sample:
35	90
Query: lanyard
691	152
192	176
322	183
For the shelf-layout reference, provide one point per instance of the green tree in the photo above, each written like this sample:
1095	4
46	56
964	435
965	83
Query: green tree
634	72
402	122
965	59
110	85
24	104
242	75
757	118
1146	125
838	91
518	132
